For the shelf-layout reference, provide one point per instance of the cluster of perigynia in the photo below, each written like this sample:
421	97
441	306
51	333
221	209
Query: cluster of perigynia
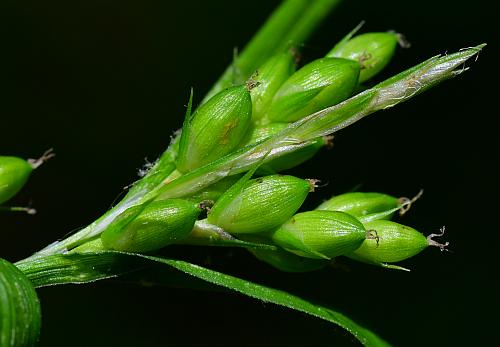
264	209
355	225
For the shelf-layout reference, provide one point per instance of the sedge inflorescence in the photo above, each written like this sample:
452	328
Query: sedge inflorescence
262	206
264	210
277	119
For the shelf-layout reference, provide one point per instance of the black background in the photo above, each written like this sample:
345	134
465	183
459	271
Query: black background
105	83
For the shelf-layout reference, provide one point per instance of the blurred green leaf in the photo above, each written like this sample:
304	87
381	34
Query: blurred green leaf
88	267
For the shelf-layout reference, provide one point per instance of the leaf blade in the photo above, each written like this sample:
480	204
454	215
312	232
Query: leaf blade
89	267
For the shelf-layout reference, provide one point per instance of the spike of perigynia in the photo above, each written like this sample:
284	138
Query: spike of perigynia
373	51
20	314
320	234
161	223
260	204
360	204
288	262
215	129
268	78
14	173
317	85
390	242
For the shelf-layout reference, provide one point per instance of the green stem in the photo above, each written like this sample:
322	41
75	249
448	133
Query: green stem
290	24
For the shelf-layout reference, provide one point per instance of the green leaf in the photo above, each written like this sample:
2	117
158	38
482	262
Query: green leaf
88	267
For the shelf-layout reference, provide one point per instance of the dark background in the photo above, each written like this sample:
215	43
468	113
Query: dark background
105	83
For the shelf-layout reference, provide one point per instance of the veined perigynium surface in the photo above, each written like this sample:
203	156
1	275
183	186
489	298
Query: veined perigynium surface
372	50
160	224
215	129
392	242
360	204
14	173
322	83
219	181
320	234
259	205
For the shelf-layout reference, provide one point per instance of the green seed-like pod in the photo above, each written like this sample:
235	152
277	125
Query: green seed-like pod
372	50
288	262
360	204
215	129
317	85
289	160
20	315
320	234
391	242
268	78
260	204
161	223
14	173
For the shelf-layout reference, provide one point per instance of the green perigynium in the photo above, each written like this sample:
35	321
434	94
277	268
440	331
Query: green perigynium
317	85
215	129
14	173
360	204
160	224
392	242
19	308
320	234
373	51
267	79
260	204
